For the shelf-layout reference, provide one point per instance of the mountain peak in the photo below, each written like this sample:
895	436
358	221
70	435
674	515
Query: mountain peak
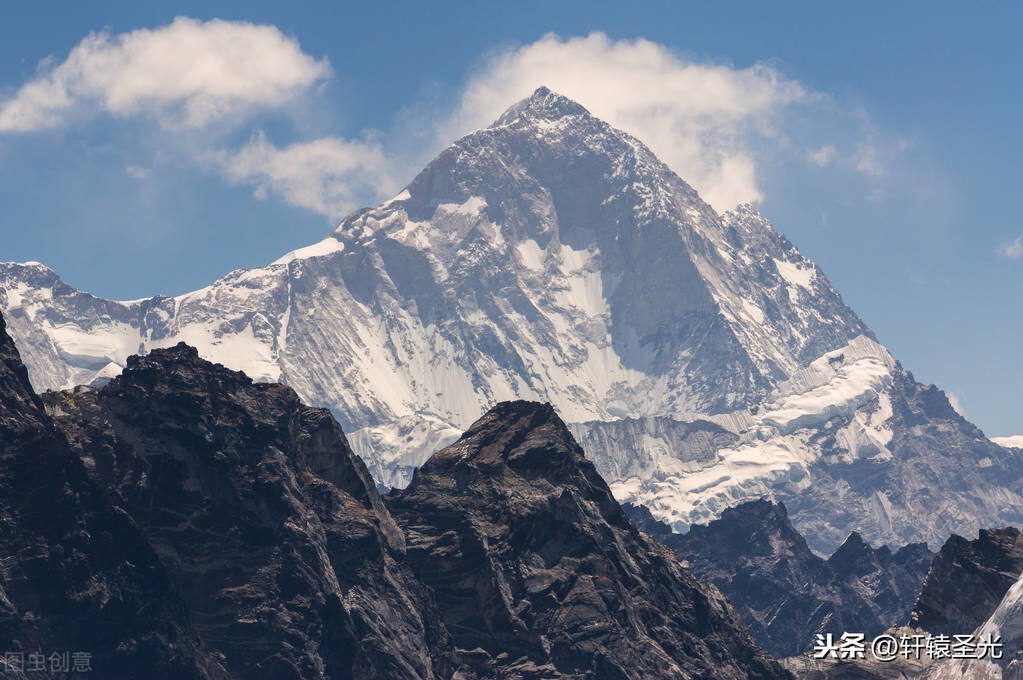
526	436
543	104
511	526
852	550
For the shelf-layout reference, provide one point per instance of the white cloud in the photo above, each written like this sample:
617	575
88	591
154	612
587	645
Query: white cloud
326	176
868	160
822	156
713	124
698	118
956	403
188	73
137	172
1012	250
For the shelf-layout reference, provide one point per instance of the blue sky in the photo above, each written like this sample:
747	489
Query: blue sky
883	139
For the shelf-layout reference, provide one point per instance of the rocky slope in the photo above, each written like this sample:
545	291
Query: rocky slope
785	592
78	576
185	522
270	528
967	580
537	569
1005	623
552	257
972	587
977	582
806	667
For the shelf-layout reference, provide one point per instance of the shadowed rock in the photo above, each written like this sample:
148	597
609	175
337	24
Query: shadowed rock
77	573
967	580
539	573
785	592
271	528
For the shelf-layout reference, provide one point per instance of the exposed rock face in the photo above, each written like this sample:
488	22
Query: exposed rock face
78	575
889	582
1006	624
185	522
967	581
635	448
537	569
786	593
937	473
973	587
271	528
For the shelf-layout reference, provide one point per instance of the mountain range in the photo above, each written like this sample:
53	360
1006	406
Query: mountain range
699	358
185	522
787	594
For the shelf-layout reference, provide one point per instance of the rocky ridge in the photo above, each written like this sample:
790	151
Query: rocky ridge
577	588
78	576
183	521
270	527
786	593
967	580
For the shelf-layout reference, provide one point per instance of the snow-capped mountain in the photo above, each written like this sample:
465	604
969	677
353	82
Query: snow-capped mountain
552	257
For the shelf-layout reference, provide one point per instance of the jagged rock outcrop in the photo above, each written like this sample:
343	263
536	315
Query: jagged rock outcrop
271	529
972	588
77	575
1004	624
967	581
786	593
889	581
539	574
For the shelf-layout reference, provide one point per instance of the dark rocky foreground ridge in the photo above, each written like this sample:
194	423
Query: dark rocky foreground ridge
77	573
967	580
184	522
270	528
530	557
972	586
785	592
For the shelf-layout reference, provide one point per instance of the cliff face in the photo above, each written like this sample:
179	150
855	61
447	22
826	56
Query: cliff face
785	592
537	569
78	575
968	580
270	527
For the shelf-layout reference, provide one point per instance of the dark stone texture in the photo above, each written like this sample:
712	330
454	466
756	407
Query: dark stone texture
967	580
537	569
272	530
786	593
77	574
